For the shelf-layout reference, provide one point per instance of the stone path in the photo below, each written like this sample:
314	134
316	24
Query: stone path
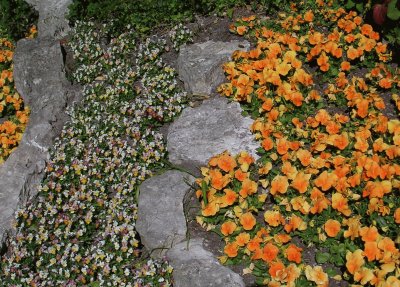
192	139
40	79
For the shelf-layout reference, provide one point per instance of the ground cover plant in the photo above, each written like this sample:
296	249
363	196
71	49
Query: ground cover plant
318	86
80	229
13	113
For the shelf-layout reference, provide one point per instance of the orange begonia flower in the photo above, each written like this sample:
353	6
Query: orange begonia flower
270	252
249	187
315	38
364	275
339	202
217	180
241	30
352	53
276	268
386	244
385	83
317	275
341	141
242	239
273	218
332	227
247	220
240	175
304	156
320	202
369	233
231	249
210	209
323	62
295	223
354	260
289	170
229	198
254	244
300	203
301	182
362	108
228	228
282	238
293	253
326	180
267	143
279	184
371	251
397	216
226	162
282	146
309	16
353	224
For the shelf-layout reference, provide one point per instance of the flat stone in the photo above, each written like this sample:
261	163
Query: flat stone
196	267
161	219
52	21
202	132
200	65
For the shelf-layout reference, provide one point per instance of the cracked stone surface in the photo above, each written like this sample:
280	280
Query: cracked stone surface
202	132
52	22
161	219
199	65
40	79
196	267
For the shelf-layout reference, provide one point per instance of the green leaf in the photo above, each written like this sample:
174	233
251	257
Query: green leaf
393	13
360	7
322	257
350	4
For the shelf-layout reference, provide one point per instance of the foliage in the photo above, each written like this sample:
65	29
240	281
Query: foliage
16	16
327	180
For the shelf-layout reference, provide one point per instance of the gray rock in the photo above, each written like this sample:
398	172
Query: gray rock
52	20
200	65
161	219
202	132
40	80
196	267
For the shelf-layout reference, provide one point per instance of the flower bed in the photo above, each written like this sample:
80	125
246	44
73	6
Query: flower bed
80	229
327	182
13	114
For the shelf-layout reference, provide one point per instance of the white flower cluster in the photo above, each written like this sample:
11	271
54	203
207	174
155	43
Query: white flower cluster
180	35
80	229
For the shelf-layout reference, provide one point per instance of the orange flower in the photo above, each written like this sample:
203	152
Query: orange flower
317	275
345	66
332	227
276	268
242	239
279	184
293	253
231	249
254	244
248	187
340	204
309	16
247	220
320	202
369	233
210	209
323	62
295	223
362	108
226	162
385	83
397	216
273	218
341	141
282	146
325	180
240	175
229	198
301	182
245	160
354	260
228	228
304	156
270	252
371	251
352	53
217	180
267	144
241	30
315	38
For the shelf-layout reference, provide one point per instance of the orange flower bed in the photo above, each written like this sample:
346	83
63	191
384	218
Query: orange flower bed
327	179
13	113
